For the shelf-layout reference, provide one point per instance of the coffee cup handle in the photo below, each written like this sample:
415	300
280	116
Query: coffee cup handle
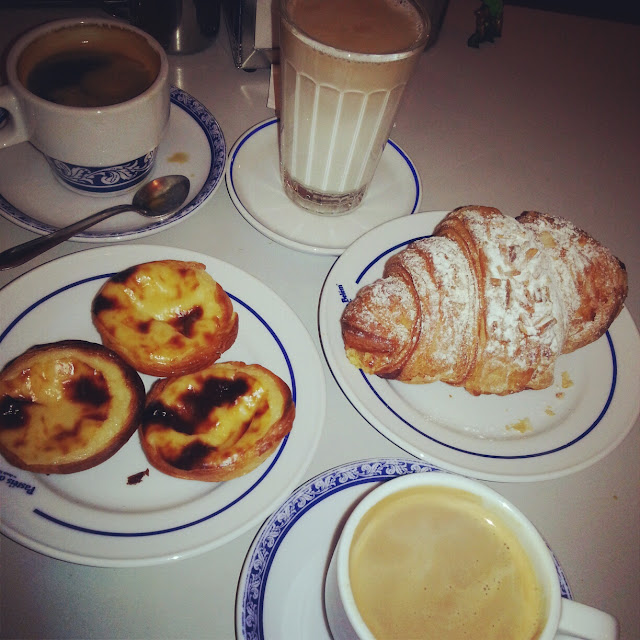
581	621
15	129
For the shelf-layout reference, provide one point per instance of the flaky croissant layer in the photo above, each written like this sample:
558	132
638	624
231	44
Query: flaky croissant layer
488	302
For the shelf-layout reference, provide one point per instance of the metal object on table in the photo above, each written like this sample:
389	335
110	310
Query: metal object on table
180	26
253	29
253	32
158	198
436	10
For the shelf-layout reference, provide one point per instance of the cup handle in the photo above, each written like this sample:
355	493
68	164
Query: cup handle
581	621
15	129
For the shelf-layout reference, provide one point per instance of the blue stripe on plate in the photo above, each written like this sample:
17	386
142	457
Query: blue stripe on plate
217	148
120	534
268	123
591	427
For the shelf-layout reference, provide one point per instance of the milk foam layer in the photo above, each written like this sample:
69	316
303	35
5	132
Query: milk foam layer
365	26
432	562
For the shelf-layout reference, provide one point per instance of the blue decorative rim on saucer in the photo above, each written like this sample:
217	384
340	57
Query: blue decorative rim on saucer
250	614
103	181
216	150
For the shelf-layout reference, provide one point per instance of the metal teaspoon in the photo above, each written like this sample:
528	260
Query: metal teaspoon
157	198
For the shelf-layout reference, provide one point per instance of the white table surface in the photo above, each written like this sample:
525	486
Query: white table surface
546	118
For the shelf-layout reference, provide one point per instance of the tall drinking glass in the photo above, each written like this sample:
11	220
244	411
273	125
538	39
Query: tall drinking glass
344	67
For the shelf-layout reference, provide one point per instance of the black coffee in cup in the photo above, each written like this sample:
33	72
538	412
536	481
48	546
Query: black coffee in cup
88	66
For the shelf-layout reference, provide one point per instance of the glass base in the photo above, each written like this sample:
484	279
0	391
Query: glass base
320	202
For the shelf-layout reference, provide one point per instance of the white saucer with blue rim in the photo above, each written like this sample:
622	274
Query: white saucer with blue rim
531	435
194	146
253	182
100	516
280	593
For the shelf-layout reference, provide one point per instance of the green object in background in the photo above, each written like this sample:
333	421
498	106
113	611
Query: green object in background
488	23
494	6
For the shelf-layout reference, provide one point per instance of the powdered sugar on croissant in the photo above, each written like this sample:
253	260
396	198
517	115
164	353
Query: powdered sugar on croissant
488	302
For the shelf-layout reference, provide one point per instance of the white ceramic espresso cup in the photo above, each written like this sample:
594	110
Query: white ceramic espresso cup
92	150
558	615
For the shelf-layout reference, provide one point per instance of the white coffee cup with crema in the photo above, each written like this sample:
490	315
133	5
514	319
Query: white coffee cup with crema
436	555
93	95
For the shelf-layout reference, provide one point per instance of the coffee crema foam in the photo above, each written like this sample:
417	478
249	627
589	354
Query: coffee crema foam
89	66
433	562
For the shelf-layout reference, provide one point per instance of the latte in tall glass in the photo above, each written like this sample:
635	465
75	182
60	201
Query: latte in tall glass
344	67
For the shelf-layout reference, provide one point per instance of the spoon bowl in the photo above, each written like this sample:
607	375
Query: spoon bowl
162	196
158	198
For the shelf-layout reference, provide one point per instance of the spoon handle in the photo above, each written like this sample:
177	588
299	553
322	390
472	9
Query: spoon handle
28	250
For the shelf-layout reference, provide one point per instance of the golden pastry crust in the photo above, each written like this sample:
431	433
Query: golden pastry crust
433	265
216	424
521	324
592	281
488	302
67	406
381	329
165	318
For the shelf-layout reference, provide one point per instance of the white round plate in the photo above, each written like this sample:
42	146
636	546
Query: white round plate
33	199
95	517
532	435
253	182
280	593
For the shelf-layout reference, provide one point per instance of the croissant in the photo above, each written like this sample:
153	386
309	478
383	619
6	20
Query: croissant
488	302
